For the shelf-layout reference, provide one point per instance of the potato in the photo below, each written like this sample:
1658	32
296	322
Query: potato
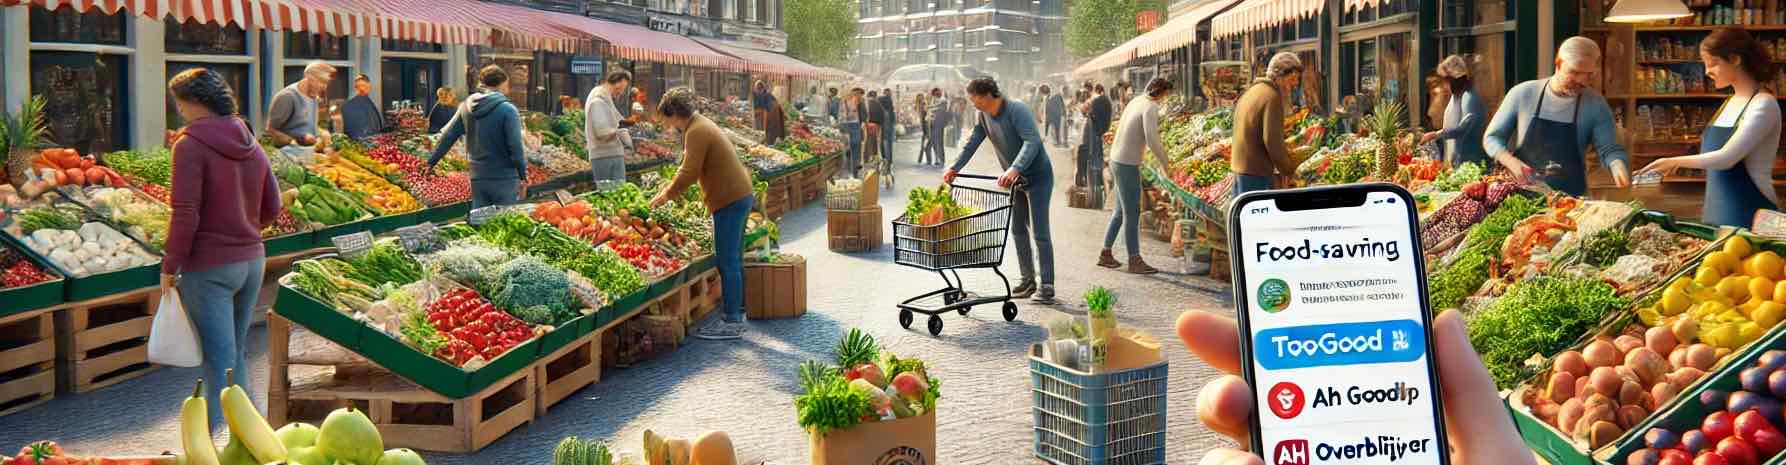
1573	363
1678	358
1601	354
1660	340
1630	393
1701	356
1602	433
1685	330
1570	413
1582	387
1547	411
1631	415
1685	376
1661	393
1605	381
1627	342
1561	386
1626	373
1648	365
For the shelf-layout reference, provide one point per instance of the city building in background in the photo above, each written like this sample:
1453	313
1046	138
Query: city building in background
1011	39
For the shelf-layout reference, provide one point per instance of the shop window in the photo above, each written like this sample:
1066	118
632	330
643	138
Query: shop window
406	45
198	38
303	45
1368	76
1314	83
521	80
411	80
1348	69
234	74
1395	75
66	25
90	92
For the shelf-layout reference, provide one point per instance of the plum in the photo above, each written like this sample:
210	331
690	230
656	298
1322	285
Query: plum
1772	359
1713	399
1742	401
1661	438
1754	379
1776	383
1694	441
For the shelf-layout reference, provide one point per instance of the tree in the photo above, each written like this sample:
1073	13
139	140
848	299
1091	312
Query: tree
1094	27
821	32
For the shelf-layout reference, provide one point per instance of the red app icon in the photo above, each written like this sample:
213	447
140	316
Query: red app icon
1291	452
1285	400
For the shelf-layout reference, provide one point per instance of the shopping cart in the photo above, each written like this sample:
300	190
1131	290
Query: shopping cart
973	241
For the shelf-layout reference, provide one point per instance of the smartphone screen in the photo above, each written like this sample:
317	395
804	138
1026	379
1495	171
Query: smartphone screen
1334	323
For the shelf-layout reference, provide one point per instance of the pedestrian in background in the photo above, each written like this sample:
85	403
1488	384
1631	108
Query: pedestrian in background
922	108
710	160
360	115
1053	109
889	124
1097	122
1029	174
938	124
445	104
871	147
491	127
851	116
1465	118
775	118
1260	158
606	142
1138	131
224	194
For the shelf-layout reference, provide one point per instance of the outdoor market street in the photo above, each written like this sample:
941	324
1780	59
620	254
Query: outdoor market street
746	388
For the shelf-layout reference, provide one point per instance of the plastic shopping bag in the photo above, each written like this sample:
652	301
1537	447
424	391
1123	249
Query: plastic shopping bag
172	339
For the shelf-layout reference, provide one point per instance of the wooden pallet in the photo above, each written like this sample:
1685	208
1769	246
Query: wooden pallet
27	360
563	373
703	294
104	341
310	377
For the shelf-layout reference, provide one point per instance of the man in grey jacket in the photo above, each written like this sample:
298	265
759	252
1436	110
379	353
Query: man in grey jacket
607	143
1028	173
291	119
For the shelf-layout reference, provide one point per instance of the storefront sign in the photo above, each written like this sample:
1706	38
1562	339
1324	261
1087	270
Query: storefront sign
774	41
591	66
679	26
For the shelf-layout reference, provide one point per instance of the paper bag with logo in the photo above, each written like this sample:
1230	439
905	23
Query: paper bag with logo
906	441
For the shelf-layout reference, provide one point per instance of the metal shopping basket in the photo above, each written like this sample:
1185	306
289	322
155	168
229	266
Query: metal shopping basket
973	241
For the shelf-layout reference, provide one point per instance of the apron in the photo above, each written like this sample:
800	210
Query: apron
1731	197
1549	148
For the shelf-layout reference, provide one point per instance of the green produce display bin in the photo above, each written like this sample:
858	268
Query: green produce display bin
294	242
318	317
662	286
322	237
444	213
388	223
36	296
563	335
1686	412
437	375
116	282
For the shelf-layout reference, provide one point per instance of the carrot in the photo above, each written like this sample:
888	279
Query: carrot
76	176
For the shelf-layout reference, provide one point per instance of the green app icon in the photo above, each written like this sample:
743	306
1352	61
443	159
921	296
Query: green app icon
1274	295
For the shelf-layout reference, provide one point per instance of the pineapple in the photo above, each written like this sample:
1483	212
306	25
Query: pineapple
1385	123
20	134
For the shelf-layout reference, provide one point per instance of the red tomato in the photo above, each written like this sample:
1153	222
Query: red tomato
1737	451
1748	422
1718	425
1769	442
1709	458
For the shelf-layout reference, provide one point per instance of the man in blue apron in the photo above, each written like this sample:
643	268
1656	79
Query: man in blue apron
1543	127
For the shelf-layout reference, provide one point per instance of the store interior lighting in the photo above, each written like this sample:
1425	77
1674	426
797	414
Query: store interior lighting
1643	11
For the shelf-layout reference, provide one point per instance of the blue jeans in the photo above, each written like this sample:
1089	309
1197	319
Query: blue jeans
1094	165
852	160
728	248
488	192
1029	207
1128	209
220	301
608	169
1244	183
888	134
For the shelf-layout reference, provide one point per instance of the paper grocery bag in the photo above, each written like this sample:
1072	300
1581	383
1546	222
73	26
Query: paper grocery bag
906	441
172	339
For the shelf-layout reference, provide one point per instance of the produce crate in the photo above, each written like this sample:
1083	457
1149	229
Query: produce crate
289	243
104	341
563	335
673	303
95	286
388	223
1686	411
27	361
567	370
1104	418
410	416
703	295
775	290
854	230
316	316
324	235
444	213
36	296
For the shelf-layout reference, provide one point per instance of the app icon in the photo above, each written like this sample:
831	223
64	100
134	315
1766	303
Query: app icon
1285	400
1291	452
1274	295
1389	341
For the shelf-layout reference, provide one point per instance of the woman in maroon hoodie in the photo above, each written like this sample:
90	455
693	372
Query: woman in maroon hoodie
224	193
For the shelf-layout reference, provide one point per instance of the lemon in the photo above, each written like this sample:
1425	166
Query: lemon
1765	263
1649	316
1736	288
1748	332
1761	288
1724	335
1707	276
1738	247
1768	314
1722	261
1749	307
1674	301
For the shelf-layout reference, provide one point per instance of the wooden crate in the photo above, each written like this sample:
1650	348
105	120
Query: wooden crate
311	377
104	341
703	294
563	373
27	360
775	290
854	230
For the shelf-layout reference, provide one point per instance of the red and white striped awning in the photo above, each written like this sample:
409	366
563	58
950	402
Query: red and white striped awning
1256	14
638	43
525	28
1180	31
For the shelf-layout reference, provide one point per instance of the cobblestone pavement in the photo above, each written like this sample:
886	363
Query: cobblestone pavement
746	388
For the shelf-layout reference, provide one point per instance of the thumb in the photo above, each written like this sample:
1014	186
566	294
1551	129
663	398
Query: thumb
1475	418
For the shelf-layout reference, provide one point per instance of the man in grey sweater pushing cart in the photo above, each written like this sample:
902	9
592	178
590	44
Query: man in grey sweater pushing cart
1028	173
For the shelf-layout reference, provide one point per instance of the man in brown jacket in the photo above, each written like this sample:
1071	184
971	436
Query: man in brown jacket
1260	158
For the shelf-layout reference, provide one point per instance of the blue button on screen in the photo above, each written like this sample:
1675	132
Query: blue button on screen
1389	341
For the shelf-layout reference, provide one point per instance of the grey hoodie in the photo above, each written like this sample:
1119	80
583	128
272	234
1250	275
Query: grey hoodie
492	137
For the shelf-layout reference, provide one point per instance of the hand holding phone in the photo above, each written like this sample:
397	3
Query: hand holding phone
1477	424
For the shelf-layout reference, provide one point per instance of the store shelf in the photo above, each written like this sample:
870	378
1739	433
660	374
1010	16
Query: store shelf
1667	62
1750	28
1666	96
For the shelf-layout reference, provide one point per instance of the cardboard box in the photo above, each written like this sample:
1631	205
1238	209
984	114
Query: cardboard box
1131	349
854	230
774	291
906	441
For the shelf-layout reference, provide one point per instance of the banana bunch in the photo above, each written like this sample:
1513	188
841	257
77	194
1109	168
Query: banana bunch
251	439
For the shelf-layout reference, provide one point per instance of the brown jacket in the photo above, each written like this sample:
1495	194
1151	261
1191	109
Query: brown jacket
710	159
1259	132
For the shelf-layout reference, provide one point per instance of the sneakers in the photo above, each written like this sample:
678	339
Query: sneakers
1044	295
1023	290
1137	266
720	330
1108	260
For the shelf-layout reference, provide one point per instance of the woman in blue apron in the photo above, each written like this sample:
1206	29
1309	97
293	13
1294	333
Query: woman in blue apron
1550	150
1738	159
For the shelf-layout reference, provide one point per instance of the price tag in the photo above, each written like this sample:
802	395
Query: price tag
351	245
1770	223
417	238
564	197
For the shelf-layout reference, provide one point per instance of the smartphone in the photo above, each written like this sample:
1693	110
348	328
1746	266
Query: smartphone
1331	300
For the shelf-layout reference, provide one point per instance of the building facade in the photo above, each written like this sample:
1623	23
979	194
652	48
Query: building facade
748	24
1012	39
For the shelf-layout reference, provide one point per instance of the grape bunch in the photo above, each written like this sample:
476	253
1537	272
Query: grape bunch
1451	220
